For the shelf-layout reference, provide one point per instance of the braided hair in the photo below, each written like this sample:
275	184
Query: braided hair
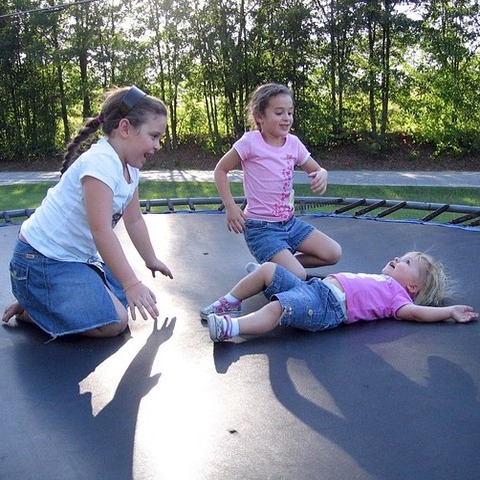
112	112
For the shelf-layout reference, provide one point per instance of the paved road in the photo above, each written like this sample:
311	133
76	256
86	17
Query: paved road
338	177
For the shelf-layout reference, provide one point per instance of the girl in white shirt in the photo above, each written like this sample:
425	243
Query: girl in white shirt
69	273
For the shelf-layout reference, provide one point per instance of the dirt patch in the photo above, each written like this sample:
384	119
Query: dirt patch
401	156
353	157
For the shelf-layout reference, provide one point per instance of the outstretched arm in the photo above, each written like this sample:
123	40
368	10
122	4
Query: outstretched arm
98	199
235	217
138	232
420	313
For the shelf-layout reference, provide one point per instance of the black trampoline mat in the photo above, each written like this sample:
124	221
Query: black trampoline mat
378	400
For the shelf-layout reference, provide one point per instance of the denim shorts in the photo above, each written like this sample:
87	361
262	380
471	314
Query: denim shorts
63	297
308	305
266	239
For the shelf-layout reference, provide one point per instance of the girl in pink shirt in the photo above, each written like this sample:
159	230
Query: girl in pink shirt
268	157
409	288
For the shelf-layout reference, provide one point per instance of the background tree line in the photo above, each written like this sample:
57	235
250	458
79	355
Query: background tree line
360	70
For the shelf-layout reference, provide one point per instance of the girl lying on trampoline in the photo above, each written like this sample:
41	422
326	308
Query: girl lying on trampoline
410	287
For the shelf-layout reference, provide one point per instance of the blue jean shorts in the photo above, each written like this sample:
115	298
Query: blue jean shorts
266	239
308	305
63	297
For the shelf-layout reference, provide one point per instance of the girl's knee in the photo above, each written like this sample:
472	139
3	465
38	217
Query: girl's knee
123	324
113	329
268	271
335	252
275	312
329	251
118	328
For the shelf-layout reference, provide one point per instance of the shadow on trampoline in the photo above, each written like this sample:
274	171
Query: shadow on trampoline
73	440
388	399
393	424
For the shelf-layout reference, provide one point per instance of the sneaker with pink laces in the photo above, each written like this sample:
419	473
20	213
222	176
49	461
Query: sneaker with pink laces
220	327
233	309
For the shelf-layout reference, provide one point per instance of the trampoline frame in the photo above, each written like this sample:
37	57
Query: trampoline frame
391	400
357	207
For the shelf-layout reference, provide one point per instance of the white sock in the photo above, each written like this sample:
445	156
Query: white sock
231	298
235	327
228	297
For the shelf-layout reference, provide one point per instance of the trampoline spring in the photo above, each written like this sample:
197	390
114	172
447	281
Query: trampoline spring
350	206
365	210
302	206
390	210
6	217
435	213
465	218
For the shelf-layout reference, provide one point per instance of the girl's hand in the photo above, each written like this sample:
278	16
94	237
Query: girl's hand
235	219
140	297
319	181
159	266
463	313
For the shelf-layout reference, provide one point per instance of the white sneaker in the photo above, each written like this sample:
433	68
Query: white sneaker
251	266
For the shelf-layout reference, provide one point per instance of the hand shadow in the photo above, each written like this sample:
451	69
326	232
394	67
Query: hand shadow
56	424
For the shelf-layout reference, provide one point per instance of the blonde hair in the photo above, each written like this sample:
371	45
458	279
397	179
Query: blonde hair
259	100
433	285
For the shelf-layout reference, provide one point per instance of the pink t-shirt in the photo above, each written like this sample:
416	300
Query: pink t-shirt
372	296
268	175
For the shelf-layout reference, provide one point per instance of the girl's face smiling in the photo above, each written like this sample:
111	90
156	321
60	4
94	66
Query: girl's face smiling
140	143
275	122
405	270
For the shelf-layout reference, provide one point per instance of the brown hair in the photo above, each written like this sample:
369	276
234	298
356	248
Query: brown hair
112	111
261	96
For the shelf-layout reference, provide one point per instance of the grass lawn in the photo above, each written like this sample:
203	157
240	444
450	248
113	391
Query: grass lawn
19	197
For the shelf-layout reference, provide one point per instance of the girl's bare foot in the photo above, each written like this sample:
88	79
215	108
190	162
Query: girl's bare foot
15	310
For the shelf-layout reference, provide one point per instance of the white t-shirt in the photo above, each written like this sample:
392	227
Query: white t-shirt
268	175
58	228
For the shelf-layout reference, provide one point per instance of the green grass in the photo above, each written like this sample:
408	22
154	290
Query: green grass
457	196
15	197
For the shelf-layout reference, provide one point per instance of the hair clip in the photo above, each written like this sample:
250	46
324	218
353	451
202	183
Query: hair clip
130	99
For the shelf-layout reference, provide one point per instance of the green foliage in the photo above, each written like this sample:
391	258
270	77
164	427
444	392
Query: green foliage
354	66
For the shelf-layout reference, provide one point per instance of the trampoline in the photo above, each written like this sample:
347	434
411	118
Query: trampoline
374	400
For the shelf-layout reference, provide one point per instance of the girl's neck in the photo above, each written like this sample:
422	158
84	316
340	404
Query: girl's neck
272	140
115	145
126	172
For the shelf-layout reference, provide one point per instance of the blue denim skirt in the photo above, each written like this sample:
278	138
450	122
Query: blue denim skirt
308	305
266	239
63	297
